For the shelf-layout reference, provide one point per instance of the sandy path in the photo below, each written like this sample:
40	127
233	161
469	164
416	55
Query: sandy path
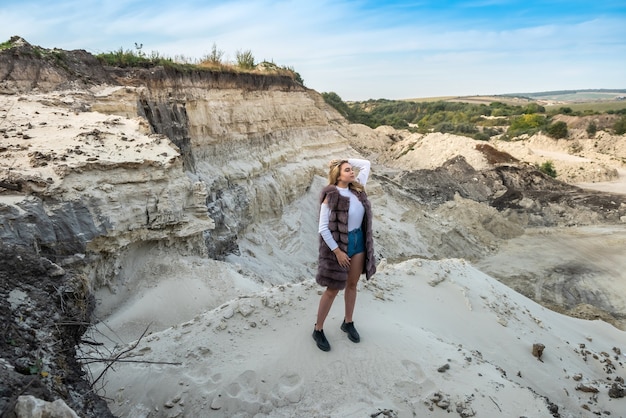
562	156
617	186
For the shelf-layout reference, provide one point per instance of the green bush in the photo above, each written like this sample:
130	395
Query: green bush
526	124
354	115
620	126
245	59
557	130
335	101
453	117
6	45
548	168
503	109
534	108
296	75
128	58
211	62
445	127
481	136
591	129
215	57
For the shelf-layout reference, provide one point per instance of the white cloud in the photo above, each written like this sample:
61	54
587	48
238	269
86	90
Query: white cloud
337	46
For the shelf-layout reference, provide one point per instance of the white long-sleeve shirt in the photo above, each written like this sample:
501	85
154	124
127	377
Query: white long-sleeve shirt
356	210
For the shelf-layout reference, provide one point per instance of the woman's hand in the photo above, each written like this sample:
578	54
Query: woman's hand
342	258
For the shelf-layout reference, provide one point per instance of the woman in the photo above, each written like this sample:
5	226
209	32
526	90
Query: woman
346	247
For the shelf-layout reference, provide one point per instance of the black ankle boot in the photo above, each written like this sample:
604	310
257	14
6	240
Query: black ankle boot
348	327
320	339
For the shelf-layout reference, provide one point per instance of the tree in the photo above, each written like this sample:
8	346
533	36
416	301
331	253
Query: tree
557	130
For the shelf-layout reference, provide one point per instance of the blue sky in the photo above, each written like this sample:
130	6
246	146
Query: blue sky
359	49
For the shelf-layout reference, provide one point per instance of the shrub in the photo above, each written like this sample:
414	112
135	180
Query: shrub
296	75
492	131
548	168
534	108
620	126
335	101
444	127
527	121
557	130
591	129
503	109
245	59
526	124
128	58
575	147
215	57
481	136
6	45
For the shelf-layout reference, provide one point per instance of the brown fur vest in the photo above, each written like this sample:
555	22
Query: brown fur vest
329	272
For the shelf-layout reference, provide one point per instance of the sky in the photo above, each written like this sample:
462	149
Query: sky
359	49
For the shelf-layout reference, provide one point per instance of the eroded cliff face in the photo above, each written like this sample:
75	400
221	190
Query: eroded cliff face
256	147
98	162
186	159
101	166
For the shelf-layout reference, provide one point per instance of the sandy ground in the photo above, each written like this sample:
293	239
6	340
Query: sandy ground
562	266
437	336
434	333
586	263
617	186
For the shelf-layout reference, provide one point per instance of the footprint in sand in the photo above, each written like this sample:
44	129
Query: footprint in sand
287	390
201	376
416	381
241	395
414	370
246	383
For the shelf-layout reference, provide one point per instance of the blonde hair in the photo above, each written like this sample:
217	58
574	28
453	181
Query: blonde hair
334	172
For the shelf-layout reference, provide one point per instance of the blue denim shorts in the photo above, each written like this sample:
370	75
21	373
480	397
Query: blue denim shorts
356	243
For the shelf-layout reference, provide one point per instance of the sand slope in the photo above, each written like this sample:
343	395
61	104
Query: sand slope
433	333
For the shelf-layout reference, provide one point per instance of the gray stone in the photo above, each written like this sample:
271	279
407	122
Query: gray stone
31	407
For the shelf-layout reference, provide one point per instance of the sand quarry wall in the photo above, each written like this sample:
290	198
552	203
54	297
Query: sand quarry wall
98	166
99	162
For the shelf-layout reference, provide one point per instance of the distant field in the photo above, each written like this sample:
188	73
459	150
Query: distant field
596	101
510	100
429	99
578	95
474	99
602	106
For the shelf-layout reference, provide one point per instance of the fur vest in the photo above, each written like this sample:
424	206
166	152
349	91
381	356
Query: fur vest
329	272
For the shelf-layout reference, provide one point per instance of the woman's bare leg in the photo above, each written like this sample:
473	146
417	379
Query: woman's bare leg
356	268
326	302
